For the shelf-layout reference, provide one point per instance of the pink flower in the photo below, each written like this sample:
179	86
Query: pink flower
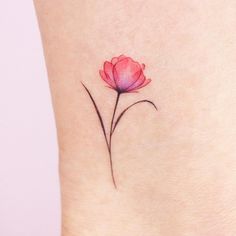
124	75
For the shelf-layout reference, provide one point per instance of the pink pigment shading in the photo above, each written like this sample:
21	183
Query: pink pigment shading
124	75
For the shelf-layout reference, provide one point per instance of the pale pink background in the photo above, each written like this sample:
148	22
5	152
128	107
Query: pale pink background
29	188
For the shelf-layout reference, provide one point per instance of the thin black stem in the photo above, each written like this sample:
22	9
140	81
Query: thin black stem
110	139
113	117
108	143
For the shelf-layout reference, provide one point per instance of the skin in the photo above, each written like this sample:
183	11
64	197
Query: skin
175	169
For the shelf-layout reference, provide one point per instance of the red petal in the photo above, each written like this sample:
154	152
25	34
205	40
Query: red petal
137	83
146	82
114	60
105	78
121	57
108	70
126	73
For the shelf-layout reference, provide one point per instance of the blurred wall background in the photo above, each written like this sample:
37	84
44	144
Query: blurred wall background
29	188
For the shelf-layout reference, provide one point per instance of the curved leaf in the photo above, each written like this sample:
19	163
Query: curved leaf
98	114
126	109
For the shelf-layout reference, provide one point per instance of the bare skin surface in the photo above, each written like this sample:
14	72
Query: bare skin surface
175	169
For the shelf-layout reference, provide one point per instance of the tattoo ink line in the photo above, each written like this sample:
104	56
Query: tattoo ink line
110	139
124	75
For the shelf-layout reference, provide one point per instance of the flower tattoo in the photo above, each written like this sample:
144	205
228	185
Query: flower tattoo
124	75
